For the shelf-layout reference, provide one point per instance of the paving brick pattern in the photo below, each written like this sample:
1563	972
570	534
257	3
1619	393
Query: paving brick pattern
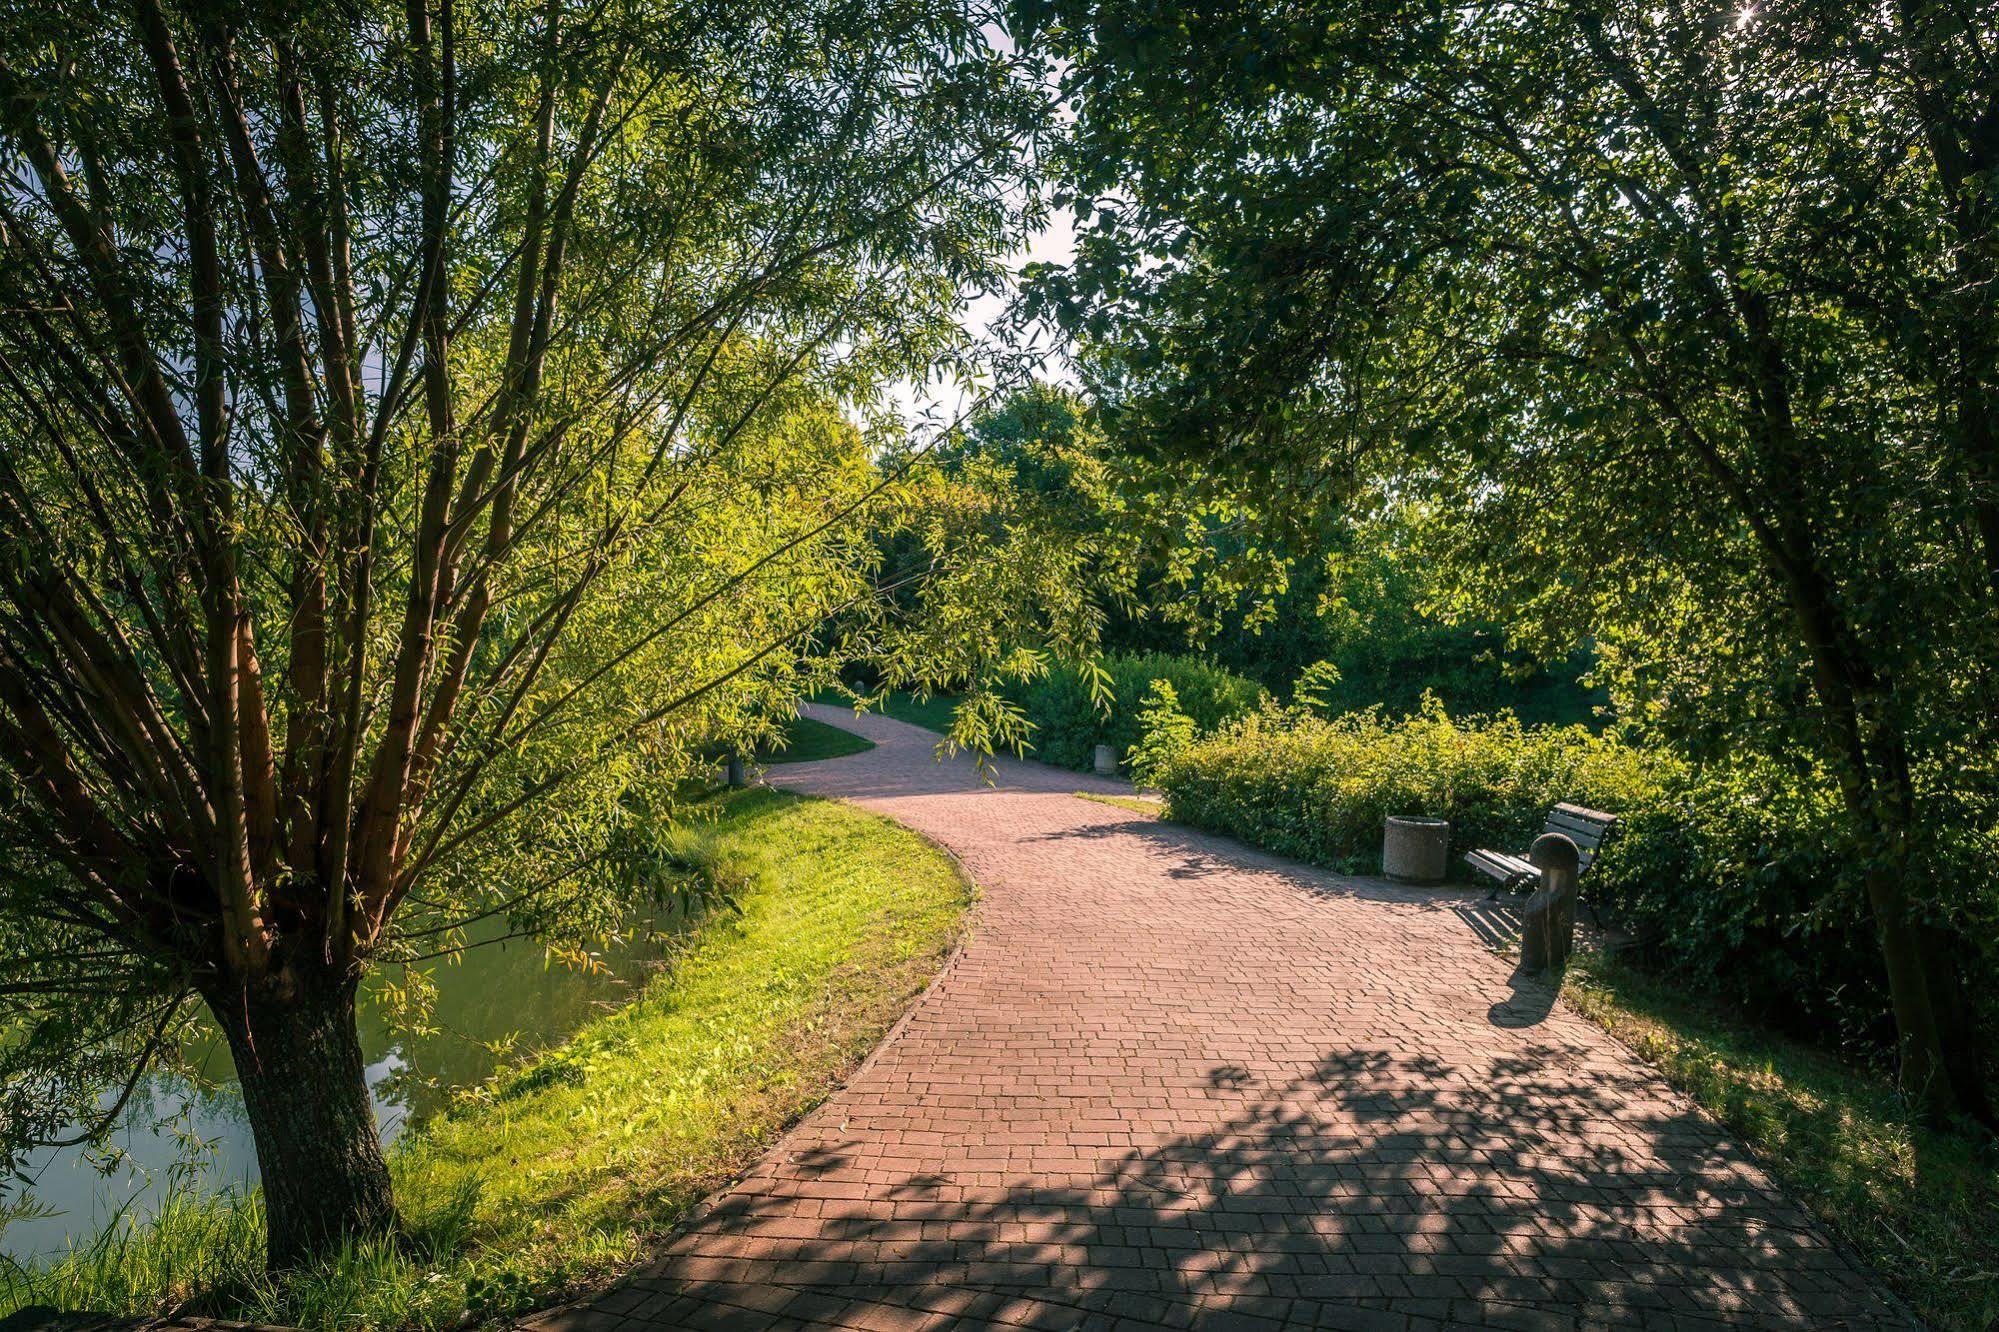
1172	1082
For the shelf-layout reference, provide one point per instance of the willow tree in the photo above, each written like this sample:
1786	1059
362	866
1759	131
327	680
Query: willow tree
421	423
1683	318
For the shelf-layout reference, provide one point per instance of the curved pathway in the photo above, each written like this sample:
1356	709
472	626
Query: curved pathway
1171	1081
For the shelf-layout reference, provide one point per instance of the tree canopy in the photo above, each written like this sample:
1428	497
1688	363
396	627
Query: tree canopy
426	427
1678	320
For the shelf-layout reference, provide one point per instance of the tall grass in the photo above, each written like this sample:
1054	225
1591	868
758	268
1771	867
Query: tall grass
191	1246
558	1173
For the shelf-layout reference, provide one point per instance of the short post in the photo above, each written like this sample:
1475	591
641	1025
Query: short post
737	775
1548	921
1106	761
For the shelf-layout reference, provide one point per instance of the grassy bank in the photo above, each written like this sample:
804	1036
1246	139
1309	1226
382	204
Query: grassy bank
932	714
807	741
555	1175
1921	1207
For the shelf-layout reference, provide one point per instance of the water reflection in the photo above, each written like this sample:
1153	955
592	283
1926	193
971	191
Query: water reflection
494	1004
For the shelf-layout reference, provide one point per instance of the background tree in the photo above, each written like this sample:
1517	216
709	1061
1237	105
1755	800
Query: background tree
1679	312
422	426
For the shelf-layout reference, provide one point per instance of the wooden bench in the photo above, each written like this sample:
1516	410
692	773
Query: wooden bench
1585	827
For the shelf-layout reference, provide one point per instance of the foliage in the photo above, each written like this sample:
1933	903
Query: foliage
1918	1206
1676	324
1121	554
1021	507
1361	598
1069	721
1319	789
933	712
559	1172
1386	621
428	430
1163	731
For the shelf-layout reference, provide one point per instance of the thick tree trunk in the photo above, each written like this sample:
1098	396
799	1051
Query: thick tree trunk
1925	1074
298	1057
1882	824
1963	1044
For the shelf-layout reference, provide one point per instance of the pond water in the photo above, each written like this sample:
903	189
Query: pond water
494	1004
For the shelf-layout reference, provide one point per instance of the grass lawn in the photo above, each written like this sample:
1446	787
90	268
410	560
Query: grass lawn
805	740
557	1175
1921	1207
1136	804
932	714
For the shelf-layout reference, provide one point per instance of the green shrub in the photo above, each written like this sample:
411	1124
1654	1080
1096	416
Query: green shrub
1164	731
1737	876
1068	727
1319	788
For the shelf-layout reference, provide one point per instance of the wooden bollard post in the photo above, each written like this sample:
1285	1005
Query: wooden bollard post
1548	921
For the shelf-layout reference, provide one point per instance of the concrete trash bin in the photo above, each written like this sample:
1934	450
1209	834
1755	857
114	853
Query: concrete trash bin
1415	849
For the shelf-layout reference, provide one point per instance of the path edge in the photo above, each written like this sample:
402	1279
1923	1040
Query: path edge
962	936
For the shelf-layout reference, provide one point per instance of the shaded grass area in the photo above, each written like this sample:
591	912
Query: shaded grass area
804	740
1920	1206
932	714
556	1175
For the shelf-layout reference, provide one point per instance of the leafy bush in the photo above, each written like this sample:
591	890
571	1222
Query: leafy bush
1164	731
1319	788
1735	875
1068	727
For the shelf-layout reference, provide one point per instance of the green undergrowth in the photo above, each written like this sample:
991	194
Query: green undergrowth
1920	1206
556	1175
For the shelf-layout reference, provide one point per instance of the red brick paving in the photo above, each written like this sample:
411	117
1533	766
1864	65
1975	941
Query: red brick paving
1173	1082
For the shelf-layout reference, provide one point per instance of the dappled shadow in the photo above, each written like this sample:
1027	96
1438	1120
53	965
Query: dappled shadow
1374	1183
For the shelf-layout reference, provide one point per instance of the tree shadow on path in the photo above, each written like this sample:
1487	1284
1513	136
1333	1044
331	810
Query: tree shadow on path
1372	1190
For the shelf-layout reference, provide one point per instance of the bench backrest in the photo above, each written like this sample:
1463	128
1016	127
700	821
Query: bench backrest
1585	827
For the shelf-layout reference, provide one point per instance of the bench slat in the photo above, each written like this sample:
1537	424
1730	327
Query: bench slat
1559	814
1499	865
1584	832
1584	826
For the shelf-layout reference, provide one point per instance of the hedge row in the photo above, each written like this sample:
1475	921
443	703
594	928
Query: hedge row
1733	875
1068	726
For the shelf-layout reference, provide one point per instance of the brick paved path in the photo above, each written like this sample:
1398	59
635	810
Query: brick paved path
1172	1081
